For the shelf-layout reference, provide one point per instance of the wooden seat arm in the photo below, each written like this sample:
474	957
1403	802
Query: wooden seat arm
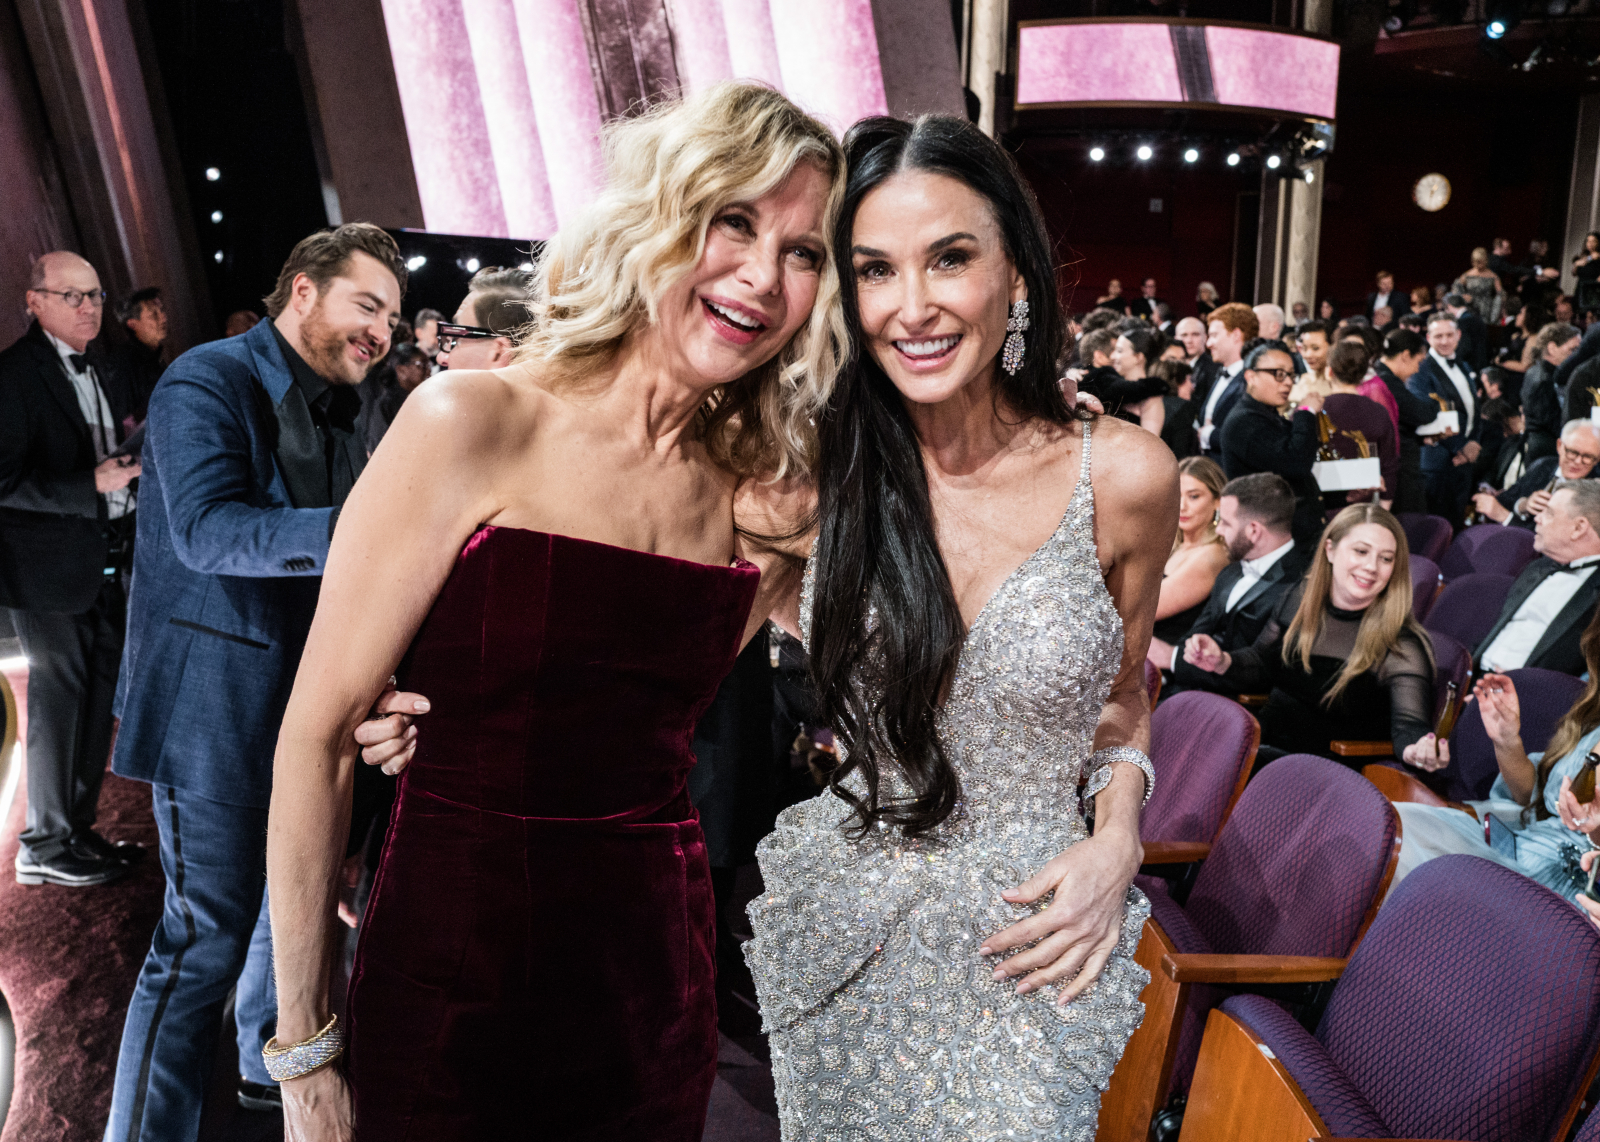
1195	968
1251	701
1175	852
1330	1139
1402	788
1362	749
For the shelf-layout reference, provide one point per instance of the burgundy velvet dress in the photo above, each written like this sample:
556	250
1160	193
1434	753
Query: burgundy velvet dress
536	960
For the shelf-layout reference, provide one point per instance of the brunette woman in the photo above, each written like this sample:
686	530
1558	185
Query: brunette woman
1342	655
1352	407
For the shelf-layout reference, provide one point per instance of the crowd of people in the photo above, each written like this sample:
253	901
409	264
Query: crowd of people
601	480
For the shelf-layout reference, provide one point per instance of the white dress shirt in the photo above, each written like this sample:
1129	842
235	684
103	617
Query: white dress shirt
1463	389
1253	570
1379	300
1516	640
97	414
1207	427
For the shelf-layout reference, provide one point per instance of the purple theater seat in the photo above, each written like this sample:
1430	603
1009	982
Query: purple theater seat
1590	1131
1505	552
1468	606
1544	695
1424	586
1469	1011
1457	559
1202	746
1295	871
1426	535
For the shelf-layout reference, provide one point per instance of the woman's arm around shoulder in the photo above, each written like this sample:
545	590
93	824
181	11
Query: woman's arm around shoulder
426	489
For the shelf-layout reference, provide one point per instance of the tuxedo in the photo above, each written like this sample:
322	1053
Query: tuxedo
1581	387
63	563
1257	439
1231	389
1512	448
1541	408
1447	483
1394	299
1536	479
1474	346
1558	648
1240	627
1144	307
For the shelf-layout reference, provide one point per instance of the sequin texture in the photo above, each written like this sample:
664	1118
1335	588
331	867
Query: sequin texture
883	1020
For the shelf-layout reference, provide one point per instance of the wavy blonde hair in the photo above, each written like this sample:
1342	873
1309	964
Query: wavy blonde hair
1385	620
669	171
1209	473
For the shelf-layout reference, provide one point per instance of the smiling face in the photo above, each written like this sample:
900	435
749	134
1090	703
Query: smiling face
1363	563
344	327
1126	360
1443	337
754	286
1578	455
1225	344
933	283
1314	349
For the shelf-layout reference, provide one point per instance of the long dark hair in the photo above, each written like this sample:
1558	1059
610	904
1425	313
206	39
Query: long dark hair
876	546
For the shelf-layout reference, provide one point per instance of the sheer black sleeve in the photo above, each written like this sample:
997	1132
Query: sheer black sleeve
1255	667
1407	673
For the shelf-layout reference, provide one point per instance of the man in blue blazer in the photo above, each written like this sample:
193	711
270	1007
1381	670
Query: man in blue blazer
250	449
1452	385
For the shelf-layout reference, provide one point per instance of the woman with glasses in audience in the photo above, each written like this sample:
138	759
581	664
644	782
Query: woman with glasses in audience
1530	821
1342	657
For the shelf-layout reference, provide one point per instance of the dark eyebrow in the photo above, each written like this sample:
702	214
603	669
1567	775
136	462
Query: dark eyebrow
868	251
950	240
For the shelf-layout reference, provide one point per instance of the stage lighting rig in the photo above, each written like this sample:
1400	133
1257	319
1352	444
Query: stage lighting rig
1145	152
1191	155
1096	154
1504	16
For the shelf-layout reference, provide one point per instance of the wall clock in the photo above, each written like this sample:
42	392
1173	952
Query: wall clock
1432	192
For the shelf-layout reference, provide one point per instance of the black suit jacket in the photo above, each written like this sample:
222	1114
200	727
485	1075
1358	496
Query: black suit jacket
1144	307
1581	387
1240	627
1257	439
1398	303
1536	478
1474	346
1558	649
1233	389
1430	380
1414	412
53	524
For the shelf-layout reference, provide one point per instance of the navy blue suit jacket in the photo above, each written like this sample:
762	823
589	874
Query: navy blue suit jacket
1425	382
225	579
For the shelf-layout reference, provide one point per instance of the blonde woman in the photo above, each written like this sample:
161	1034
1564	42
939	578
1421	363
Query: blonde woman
1482	286
1342	656
554	542
1206	298
1198	553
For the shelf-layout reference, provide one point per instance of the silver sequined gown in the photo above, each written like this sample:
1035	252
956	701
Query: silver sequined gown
884	1021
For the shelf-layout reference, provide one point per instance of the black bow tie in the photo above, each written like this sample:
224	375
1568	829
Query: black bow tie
1449	361
80	363
1560	567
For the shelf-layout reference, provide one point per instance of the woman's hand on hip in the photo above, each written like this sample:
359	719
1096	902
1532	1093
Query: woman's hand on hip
388	738
317	1108
1079	930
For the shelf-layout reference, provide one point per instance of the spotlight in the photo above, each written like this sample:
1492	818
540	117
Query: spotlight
1144	153
1311	177
416	262
212	174
1274	162
1496	29
216	216
1191	155
1096	154
217	257
1504	16
472	265
1233	159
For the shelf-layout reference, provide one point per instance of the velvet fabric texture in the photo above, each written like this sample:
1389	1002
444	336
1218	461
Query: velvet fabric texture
537	955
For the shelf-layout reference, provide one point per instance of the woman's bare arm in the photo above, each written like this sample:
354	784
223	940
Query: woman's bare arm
1190	585
422	495
776	525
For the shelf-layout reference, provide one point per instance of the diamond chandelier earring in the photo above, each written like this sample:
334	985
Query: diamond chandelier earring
1012	351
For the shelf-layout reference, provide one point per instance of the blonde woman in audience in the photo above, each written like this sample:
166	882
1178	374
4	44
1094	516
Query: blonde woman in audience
1342	655
1539	828
1198	553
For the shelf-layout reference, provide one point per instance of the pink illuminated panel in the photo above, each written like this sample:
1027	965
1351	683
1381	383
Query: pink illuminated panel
1269	69
1137	61
1097	63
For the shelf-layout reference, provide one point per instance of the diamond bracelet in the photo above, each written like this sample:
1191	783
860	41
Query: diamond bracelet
1104	759
300	1059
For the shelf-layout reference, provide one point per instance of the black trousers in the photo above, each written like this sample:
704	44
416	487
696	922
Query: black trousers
1448	490
72	678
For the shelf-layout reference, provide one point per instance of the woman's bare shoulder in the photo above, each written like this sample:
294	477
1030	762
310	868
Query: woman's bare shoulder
472	409
1133	469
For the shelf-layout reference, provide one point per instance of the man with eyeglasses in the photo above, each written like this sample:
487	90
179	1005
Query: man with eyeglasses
483	333
1577	455
1257	438
66	537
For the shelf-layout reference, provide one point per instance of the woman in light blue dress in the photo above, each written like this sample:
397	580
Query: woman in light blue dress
1547	829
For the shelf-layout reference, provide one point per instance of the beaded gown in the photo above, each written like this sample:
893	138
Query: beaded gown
883	1020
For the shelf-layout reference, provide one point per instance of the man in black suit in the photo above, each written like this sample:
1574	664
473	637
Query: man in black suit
1253	519
66	538
1257	438
1474	347
1553	600
1229	328
1383	296
1144	306
1452	386
1577	454
1403	352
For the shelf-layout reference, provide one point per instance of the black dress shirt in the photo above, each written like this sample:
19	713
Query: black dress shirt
317	448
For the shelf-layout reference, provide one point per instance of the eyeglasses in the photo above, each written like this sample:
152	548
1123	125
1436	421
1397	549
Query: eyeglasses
1581	457
76	297
1281	374
449	335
